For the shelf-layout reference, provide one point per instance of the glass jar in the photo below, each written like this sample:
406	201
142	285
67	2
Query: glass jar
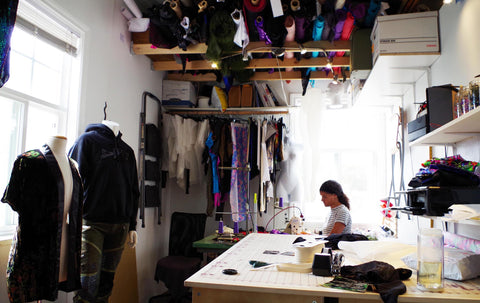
464	99
474	92
430	260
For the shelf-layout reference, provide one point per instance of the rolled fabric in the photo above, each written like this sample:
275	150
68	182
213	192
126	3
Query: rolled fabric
255	6
261	32
372	12
347	30
252	10
341	17
329	27
176	8
317	32
339	4
290	27
358	10
300	29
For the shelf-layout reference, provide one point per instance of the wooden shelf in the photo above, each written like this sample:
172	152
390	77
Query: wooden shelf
241	111
457	130
164	59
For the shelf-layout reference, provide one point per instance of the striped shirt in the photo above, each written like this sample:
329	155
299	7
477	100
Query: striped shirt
339	214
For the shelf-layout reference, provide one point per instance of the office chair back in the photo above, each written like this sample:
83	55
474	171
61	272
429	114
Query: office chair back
183	260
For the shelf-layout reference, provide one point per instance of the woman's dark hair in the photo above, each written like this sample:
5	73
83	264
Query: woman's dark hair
333	187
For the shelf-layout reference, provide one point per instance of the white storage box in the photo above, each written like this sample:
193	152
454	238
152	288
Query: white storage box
178	93
405	34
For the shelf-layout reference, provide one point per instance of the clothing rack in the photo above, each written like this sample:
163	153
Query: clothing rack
248	212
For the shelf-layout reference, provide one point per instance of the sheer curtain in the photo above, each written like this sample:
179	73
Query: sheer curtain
351	146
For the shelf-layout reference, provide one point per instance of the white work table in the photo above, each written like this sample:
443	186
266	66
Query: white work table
269	285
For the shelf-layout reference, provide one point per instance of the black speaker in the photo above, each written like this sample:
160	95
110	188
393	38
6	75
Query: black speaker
440	105
322	265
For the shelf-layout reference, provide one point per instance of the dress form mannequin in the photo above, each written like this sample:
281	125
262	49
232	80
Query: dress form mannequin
115	127
58	146
289	185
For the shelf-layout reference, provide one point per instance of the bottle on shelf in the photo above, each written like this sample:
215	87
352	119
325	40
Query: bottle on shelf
220	226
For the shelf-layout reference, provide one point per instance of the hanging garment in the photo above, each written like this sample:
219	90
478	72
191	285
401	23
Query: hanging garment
35	192
214	164
8	14
241	35
109	173
239	179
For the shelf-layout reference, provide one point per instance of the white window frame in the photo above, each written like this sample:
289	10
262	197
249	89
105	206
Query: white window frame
55	29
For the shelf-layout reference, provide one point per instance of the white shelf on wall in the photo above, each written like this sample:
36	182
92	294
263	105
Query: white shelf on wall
393	75
457	130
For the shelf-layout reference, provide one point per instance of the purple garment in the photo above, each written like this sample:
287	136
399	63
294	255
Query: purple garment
239	180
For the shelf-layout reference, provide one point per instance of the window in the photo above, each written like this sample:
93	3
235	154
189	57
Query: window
41	97
349	146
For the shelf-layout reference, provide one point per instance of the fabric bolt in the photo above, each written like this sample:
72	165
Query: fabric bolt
239	179
317	31
328	27
372	12
8	15
262	35
290	27
36	192
300	23
102	248
341	16
346	31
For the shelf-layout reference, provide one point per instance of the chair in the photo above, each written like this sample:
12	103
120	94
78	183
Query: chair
183	260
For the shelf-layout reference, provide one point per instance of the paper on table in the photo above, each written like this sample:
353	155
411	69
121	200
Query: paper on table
464	211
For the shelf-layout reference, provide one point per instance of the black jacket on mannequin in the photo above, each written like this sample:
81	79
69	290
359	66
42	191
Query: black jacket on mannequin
36	193
109	172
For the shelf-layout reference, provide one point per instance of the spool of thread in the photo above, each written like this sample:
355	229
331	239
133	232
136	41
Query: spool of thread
220	226
304	253
280	202
202	6
295	5
235	227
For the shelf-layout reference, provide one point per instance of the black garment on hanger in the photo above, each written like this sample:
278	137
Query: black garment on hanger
8	15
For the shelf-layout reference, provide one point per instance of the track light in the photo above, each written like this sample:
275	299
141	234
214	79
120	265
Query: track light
214	65
447	1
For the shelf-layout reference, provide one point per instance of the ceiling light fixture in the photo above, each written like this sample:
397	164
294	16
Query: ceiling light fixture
214	65
447	1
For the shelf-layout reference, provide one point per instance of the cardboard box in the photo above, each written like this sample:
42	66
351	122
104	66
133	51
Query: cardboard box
178	93
405	33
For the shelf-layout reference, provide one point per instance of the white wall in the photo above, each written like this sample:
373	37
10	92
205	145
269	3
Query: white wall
458	64
112	74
